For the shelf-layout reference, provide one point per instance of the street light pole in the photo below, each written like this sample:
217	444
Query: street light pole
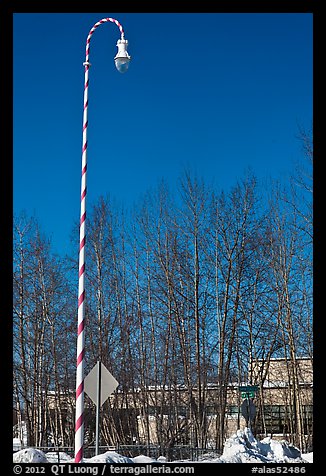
121	61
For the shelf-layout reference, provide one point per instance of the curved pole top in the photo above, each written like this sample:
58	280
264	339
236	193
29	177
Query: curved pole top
97	24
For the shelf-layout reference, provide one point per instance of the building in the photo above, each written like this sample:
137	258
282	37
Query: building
282	402
283	405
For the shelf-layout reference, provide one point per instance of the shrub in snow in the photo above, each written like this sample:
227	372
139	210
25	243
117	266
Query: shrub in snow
29	455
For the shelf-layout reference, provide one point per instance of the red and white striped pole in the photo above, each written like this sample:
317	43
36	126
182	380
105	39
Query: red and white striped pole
79	421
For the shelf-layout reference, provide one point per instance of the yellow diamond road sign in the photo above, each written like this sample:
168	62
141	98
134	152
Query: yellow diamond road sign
108	383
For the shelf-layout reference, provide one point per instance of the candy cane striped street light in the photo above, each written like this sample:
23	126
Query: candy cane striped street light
121	61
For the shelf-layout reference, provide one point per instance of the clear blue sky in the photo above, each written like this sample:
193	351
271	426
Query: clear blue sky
217	92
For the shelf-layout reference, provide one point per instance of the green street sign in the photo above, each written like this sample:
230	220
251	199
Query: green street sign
247	394
249	388
248	391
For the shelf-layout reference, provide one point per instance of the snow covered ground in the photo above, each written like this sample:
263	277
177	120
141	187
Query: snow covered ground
242	447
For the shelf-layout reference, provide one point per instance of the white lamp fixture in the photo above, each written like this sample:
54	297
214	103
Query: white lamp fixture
122	58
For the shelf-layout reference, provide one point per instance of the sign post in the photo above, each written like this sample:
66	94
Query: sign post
98	406
98	385
248	409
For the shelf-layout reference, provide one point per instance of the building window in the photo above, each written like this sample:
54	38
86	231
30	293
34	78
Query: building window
275	418
307	419
278	419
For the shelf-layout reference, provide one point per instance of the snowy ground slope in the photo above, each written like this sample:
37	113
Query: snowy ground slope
242	447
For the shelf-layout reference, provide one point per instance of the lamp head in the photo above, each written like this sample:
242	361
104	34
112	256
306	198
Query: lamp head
122	58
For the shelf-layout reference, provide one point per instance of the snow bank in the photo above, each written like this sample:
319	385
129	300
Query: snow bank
30	455
242	447
144	459
308	457
109	457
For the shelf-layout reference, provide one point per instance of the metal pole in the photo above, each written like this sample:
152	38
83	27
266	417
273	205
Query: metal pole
248	406
98	406
79	417
79	424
